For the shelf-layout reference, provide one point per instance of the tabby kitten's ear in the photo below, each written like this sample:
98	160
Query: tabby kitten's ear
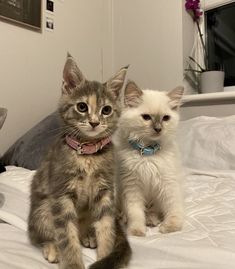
115	84
72	76
175	96
132	95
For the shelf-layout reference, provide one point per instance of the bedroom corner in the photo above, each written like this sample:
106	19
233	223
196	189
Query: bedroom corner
112	154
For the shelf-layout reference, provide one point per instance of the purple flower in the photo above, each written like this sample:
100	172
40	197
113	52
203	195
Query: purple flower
192	4
193	7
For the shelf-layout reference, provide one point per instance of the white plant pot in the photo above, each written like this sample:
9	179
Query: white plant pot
212	81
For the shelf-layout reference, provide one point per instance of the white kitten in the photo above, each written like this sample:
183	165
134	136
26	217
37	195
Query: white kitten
149	179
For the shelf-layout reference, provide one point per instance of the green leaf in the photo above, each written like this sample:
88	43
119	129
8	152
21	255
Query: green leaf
192	59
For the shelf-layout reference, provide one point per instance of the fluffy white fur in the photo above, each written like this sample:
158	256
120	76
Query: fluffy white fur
149	186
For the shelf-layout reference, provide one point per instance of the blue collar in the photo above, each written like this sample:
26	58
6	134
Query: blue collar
146	151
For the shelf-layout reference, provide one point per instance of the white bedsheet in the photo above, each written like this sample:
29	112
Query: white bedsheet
206	242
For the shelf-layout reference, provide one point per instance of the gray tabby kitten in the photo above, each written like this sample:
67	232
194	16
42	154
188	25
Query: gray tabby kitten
73	194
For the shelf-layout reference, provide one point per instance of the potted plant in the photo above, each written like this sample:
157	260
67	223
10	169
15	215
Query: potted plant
203	78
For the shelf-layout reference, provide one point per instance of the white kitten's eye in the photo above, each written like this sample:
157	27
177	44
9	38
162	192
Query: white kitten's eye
82	107
146	117
166	118
106	110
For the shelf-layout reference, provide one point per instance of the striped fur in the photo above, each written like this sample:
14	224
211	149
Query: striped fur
73	196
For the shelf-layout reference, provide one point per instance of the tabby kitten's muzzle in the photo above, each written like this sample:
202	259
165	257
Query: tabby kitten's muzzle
94	124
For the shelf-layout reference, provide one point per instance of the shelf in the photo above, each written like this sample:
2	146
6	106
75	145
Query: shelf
212	97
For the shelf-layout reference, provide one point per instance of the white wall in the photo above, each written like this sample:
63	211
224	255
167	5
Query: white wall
31	63
148	36
102	35
188	42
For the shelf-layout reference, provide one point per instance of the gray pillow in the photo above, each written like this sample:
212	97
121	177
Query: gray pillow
2	200
29	150
3	114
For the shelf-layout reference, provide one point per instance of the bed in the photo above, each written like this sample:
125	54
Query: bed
208	238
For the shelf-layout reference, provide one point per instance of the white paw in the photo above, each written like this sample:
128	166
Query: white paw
171	224
137	230
152	220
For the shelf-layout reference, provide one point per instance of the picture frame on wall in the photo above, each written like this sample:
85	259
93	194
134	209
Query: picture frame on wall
25	13
50	6
50	24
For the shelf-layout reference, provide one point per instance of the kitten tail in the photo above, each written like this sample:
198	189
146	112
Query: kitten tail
120	256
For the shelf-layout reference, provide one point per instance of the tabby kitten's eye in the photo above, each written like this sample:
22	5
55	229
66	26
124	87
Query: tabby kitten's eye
106	110
166	118
82	107
146	117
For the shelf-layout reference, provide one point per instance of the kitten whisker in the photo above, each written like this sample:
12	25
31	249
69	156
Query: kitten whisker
63	132
56	130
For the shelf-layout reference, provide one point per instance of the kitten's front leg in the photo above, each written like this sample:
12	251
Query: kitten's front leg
104	214
172	207
152	219
134	207
66	233
87	230
88	239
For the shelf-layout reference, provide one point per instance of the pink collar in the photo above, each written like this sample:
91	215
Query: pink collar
87	148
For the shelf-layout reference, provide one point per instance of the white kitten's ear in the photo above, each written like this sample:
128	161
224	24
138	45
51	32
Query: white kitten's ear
116	82
175	96
132	95
72	76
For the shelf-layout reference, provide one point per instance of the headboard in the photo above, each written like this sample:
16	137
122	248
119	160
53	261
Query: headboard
219	104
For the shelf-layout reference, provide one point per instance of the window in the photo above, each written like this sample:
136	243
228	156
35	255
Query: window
220	40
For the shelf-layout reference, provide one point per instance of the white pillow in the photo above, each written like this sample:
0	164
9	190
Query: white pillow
208	142
15	190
